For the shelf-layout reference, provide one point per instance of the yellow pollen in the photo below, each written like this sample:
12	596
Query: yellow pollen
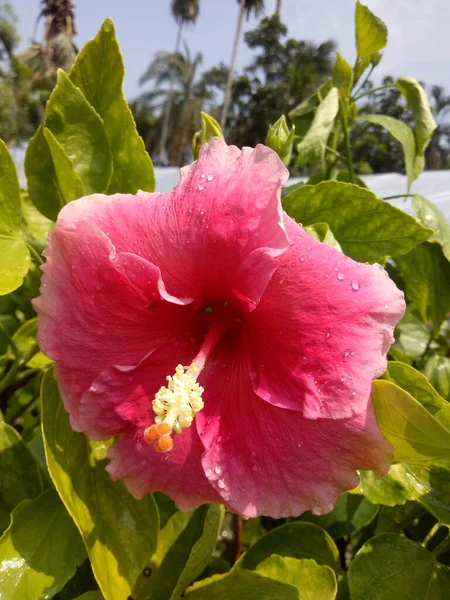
175	406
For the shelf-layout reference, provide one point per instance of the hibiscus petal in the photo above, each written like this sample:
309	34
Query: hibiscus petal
99	307
119	402
266	460
317	346
215	237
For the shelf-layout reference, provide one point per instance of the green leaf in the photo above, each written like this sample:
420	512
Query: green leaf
186	558
346	178
173	527
40	550
416	384
392	489
80	131
119	531
432	484
298	540
69	183
96	595
426	273
25	340
312	147
36	225
313	582
391	566
343	76
404	134
367	228
98	72
430	216
20	475
350	514
425	124
323	233
411	338
241	585
437	369
14	255
371	32
414	433
42	183
302	115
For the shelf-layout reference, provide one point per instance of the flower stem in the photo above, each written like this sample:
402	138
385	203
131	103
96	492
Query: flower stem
443	547
399	196
348	150
373	90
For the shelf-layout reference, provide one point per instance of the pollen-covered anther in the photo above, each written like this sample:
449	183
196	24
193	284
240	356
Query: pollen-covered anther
175	407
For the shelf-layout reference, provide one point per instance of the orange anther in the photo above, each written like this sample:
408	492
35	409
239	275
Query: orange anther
163	429
151	434
164	444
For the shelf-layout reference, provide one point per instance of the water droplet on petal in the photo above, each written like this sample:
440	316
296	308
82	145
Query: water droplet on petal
254	467
217	470
340	276
200	187
210	178
330	506
353	393
355	285
253	452
352	353
302	259
328	334
316	510
342	379
208	473
203	176
386	306
346	354
221	483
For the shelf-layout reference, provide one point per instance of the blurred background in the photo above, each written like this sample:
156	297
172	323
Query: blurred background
245	62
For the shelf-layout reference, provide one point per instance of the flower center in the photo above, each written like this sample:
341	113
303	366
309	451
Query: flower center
176	404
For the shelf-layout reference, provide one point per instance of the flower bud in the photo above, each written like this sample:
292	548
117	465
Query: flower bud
210	129
280	139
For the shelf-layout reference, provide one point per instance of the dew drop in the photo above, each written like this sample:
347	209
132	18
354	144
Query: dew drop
340	276
254	467
210	178
208	473
355	285
386	306
316	510
352	353
353	393
200	187
328	334
203	176
346	354
330	506
342	379
217	470
253	452
302	259
221	483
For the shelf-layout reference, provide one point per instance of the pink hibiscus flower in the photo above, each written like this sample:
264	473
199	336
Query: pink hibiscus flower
230	352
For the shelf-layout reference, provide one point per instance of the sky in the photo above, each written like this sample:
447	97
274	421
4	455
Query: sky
418	31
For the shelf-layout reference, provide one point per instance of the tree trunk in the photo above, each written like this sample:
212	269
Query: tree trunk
163	157
227	100
278	8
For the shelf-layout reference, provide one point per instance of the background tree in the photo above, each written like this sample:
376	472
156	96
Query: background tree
245	7
179	72
437	153
183	11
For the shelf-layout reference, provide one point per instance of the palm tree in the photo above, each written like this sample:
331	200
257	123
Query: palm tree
278	8
245	7
183	11
178	71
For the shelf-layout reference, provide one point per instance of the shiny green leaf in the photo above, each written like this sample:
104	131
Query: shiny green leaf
416	384
343	75
36	225
313	581
186	558
96	595
411	338
99	72
425	124
312	147
367	228
430	216
69	183
174	525
298	540
323	233
241	585
392	489
437	369
371	32
40	550
413	432
20	475
14	255
432	484
426	273
404	134
25	339
79	130
119	531
42	183
391	566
